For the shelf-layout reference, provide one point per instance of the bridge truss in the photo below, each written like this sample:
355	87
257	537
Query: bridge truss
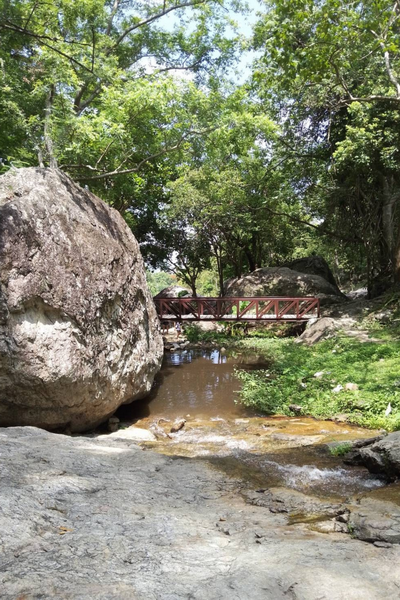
260	308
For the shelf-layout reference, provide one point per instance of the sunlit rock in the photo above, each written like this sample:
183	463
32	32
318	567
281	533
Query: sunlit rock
282	281
79	334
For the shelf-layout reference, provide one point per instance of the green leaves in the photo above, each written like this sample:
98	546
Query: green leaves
330	72
292	380
105	61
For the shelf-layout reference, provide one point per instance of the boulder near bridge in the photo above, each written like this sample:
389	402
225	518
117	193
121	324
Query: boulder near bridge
260	308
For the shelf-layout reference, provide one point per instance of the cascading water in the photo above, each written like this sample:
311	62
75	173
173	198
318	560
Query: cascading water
201	387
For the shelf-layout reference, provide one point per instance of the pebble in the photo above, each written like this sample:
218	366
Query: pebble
337	389
351	386
178	425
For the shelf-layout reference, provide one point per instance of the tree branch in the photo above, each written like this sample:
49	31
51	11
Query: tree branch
112	15
116	172
369	99
177	68
31	14
41	38
316	227
47	134
155	17
13	27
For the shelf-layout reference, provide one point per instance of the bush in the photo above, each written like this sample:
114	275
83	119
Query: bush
193	333
341	449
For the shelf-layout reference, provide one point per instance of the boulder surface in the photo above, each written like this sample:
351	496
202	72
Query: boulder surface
174	291
314	265
382	456
100	518
79	334
282	281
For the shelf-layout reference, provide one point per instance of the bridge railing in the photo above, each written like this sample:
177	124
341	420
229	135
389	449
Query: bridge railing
261	308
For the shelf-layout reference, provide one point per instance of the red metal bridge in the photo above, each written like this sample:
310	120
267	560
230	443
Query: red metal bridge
261	308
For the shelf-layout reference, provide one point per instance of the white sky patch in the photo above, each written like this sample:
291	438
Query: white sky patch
151	67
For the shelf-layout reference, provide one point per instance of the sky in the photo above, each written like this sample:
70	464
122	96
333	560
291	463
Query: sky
246	23
245	26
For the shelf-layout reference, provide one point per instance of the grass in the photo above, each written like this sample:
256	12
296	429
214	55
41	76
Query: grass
374	367
341	449
290	378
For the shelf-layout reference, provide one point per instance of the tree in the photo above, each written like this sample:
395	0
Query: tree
227	198
96	88
159	280
86	85
330	72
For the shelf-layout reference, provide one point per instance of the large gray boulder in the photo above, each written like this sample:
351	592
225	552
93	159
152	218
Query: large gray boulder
282	281
314	265
380	457
99	519
326	327
79	335
173	291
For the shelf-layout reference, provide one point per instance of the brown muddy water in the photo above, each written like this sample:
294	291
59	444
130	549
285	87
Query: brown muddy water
262	451
198	383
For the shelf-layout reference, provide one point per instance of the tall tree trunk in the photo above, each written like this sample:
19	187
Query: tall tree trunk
250	259
217	251
193	280
47	134
391	198
396	260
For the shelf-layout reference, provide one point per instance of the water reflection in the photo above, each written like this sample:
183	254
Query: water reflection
195	382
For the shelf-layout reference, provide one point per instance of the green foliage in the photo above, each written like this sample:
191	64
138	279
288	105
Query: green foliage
341	449
158	280
331	69
77	85
135	100
207	283
291	380
235	329
193	333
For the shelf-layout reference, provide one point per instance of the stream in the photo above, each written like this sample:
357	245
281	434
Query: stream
262	451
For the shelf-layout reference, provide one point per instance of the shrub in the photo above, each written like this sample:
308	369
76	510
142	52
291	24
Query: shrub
341	449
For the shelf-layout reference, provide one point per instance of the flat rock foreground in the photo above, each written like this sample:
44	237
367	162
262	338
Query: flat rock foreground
104	518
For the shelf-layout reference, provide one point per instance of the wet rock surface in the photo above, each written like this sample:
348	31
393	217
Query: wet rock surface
103	518
297	505
79	334
368	519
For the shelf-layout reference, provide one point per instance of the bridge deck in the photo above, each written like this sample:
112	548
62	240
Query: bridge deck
261	308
